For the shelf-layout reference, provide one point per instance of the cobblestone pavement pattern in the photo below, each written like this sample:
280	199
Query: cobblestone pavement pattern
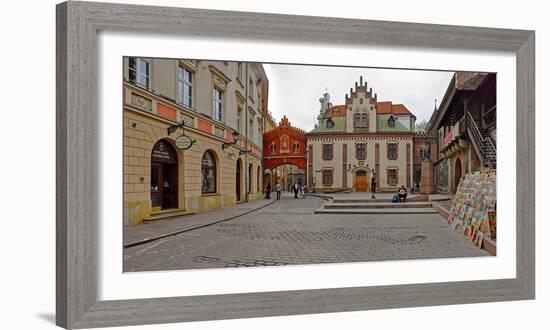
288	232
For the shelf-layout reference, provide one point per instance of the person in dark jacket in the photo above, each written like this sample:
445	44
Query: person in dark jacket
402	194
373	185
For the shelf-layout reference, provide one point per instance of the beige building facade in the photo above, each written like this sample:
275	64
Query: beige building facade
211	161
359	139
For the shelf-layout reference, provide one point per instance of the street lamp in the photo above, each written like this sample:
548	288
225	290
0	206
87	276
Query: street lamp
236	137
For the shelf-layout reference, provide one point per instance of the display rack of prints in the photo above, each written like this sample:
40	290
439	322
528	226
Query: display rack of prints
474	208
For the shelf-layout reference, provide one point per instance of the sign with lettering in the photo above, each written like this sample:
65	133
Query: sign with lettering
163	152
184	142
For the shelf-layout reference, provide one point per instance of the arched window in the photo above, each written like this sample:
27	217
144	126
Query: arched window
273	148
357	120
364	120
208	173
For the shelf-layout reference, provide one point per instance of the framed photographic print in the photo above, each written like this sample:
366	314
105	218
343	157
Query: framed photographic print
216	165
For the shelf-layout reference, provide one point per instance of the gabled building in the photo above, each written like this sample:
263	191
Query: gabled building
361	138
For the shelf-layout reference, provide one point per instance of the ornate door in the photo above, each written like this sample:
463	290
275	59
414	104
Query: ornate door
361	182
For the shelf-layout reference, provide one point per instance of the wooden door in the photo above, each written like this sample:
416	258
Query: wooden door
169	186
361	182
238	181
164	176
156	177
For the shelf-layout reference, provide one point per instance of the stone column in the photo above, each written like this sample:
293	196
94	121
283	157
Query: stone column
427	177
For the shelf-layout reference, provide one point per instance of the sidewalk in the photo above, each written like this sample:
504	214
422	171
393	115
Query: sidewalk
140	234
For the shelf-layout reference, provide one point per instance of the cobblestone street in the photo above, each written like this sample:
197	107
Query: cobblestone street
288	232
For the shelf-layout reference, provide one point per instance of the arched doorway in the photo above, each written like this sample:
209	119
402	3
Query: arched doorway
238	180
458	173
164	176
361	182
250	171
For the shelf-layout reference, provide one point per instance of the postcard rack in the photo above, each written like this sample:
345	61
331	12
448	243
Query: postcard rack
474	209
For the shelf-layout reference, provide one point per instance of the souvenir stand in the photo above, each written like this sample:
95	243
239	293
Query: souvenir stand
474	209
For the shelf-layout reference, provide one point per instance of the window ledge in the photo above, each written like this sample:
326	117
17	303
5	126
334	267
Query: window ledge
210	194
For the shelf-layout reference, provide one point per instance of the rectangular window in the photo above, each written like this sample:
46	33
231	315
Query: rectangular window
327	177
259	127
392	151
361	151
251	128
392	177
240	71
217	104
251	88
185	87
239	120
327	151
139	71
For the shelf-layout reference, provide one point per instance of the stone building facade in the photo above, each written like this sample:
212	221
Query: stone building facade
359	139
222	106
465	126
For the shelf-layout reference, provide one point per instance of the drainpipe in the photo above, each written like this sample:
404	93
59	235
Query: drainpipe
246	176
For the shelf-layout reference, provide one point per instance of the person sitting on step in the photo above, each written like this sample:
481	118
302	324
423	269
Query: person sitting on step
402	194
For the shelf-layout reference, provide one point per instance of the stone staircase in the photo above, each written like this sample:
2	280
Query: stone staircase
375	206
166	214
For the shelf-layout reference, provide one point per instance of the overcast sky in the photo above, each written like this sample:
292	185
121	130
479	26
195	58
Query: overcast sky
294	90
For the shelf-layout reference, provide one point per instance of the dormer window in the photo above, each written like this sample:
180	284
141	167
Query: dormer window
391	122
330	123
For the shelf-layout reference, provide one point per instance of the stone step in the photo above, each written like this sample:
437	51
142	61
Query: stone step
377	211
411	198
167	214
365	200
336	205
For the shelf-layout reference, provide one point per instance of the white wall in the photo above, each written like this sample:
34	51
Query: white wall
28	242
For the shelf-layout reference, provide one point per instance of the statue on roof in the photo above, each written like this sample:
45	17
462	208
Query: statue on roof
325	106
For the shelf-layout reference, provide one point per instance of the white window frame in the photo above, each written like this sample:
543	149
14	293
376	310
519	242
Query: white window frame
141	78
217	103
239	119
181	96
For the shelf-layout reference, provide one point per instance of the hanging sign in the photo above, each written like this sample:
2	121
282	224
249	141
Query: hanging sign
184	142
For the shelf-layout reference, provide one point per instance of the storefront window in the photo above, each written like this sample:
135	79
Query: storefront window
208	173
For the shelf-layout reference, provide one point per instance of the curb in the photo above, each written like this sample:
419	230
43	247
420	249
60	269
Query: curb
156	238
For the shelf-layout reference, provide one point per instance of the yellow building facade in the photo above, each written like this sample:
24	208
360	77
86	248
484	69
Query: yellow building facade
192	136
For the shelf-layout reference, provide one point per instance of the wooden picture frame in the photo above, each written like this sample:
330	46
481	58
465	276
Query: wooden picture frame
78	24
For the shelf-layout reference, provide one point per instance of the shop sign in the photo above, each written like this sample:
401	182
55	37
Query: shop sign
163	153
184	142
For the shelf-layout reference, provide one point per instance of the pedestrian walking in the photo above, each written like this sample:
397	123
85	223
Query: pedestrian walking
304	190
373	185
296	189
278	190
268	191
